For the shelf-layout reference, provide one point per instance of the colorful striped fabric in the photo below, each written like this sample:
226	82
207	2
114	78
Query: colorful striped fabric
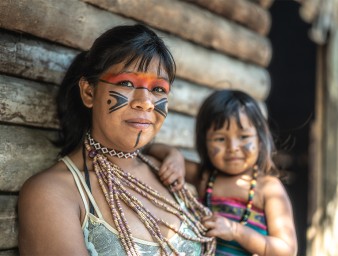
233	208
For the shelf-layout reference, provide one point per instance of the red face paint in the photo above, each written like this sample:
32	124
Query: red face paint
138	80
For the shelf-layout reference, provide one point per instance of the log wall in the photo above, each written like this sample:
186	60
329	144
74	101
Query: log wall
214	48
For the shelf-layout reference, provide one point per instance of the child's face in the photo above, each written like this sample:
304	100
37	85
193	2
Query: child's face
233	149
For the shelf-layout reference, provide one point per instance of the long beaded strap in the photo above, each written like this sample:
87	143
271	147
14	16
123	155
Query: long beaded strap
112	175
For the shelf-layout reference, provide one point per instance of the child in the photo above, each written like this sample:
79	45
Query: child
252	211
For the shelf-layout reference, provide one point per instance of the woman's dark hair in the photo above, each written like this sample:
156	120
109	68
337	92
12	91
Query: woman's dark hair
218	108
121	44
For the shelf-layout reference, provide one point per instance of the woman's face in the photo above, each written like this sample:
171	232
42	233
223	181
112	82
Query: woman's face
128	107
233	149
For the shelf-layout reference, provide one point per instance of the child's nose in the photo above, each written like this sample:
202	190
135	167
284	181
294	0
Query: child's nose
142	100
232	145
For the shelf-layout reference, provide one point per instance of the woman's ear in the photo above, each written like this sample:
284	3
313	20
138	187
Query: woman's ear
86	92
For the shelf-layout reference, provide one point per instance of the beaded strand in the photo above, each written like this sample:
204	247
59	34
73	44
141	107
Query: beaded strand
114	181
247	211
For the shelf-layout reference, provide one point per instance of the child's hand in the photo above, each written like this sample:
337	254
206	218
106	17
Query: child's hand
219	226
172	170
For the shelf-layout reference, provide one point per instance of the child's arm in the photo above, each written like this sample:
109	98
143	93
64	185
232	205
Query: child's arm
281	239
174	167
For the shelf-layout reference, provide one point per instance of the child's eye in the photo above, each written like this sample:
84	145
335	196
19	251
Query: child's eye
246	136
125	83
218	139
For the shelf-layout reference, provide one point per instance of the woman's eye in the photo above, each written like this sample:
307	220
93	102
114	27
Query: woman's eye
220	139
160	90
126	83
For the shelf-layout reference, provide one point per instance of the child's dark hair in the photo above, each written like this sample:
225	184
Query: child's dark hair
218	108
122	44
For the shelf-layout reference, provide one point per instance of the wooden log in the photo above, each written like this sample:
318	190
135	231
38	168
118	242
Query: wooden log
244	12
212	31
8	222
23	153
33	59
200	26
12	252
80	33
26	151
264	3
253	80
206	67
187	97
26	102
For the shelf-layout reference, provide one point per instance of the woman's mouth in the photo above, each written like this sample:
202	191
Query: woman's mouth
139	123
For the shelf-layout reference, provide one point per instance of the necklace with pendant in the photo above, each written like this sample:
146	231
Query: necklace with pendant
247	211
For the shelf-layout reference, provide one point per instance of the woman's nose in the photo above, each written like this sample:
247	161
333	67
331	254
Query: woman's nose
142	100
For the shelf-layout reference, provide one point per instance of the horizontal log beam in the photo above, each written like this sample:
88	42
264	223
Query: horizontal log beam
12	252
264	3
206	67
200	26
8	222
26	102
48	63
244	12
33	59
74	30
23	153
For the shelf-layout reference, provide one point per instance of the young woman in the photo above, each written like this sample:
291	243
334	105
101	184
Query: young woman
103	196
252	211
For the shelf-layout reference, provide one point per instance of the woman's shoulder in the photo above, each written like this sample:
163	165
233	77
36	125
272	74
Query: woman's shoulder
48	184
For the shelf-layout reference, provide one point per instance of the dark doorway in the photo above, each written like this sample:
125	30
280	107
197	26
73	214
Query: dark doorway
291	102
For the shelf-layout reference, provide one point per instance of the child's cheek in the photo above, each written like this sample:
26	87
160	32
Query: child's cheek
249	147
213	151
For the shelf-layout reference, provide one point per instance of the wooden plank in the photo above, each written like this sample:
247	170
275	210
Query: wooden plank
34	59
200	26
264	3
13	252
246	13
194	61
27	102
187	97
207	29
206	67
48	63
24	152
177	130
8	222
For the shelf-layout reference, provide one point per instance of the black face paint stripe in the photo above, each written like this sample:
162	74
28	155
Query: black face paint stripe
121	101
160	106
138	138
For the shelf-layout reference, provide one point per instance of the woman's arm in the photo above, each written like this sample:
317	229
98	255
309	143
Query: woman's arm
174	166
282	238
49	217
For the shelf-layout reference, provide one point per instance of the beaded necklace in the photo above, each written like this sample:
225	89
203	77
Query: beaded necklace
247	211
114	183
111	152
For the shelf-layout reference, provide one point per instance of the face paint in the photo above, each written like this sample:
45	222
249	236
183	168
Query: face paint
214	151
249	147
121	101
161	107
138	80
138	139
